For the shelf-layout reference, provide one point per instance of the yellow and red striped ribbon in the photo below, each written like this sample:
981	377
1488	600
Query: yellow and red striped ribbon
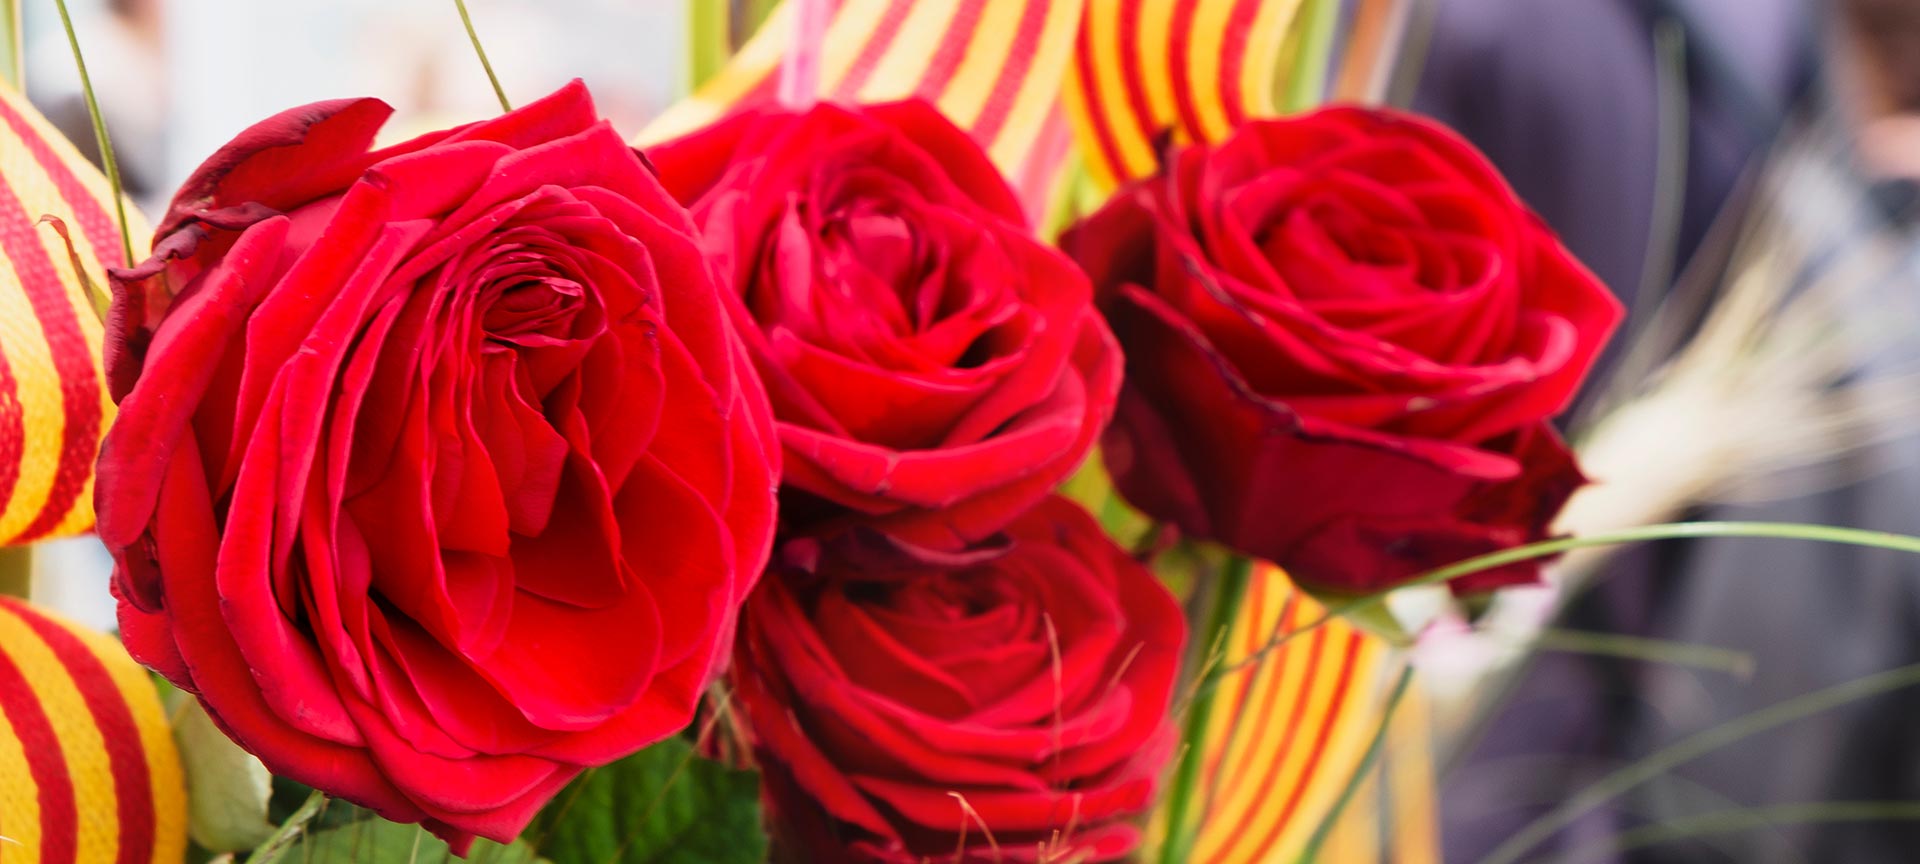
1290	728
1192	69
993	67
88	770
53	399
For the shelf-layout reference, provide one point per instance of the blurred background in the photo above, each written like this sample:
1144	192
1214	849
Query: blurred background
1742	173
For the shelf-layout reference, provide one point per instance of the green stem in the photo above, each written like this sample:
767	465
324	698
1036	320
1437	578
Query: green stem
13	55
16	571
1692	747
1306	84
1311	852
1708	657
1740	819
1229	591
1550	548
289	832
748	16
474	36
709	40
99	134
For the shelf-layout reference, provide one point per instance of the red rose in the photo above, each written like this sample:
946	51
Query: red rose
934	369
1344	335
438	474
905	709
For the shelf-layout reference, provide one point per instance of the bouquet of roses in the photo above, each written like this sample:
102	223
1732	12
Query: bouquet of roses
958	432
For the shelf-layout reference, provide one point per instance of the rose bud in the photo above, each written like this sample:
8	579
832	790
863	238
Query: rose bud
1009	704
934	369
438	472
1345	335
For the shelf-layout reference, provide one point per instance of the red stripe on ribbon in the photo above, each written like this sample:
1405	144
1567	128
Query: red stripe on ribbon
1233	57
59	817
126	756
1013	75
1090	90
1133	65
1314	650
1181	34
13	432
952	50
101	230
1354	640
72	360
870	53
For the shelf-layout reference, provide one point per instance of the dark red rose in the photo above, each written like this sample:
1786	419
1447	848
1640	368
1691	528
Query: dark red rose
934	369
1344	335
438	473
903	708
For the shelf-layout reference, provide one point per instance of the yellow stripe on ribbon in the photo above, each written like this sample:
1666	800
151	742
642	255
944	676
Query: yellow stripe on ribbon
19	802
53	400
1290	727
108	786
1188	70
82	749
994	67
166	777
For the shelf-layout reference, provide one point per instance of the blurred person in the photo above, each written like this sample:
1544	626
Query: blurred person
124	44
1811	615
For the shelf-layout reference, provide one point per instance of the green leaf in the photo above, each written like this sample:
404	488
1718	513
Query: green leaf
663	805
377	841
227	789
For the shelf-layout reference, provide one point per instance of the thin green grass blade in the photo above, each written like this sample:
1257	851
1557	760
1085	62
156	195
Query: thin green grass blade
100	136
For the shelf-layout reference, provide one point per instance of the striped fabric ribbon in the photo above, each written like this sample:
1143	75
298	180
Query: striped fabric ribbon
1289	728
1192	69
993	67
88	770
53	399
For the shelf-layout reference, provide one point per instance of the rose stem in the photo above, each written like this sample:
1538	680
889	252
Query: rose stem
1229	591
99	134
486	64
1549	548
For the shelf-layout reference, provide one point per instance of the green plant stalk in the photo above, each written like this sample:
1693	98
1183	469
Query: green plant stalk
1310	853
13	55
100	135
1740	819
289	832
1712	658
474	37
748	17
16	571
709	40
1229	592
1692	747
1306	83
1548	548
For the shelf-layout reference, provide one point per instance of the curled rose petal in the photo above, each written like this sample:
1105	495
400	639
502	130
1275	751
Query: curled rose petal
899	704
1344	334
403	487
933	368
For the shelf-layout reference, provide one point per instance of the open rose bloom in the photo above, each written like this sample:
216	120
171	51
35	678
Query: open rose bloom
934	368
439	474
1345	335
902	704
